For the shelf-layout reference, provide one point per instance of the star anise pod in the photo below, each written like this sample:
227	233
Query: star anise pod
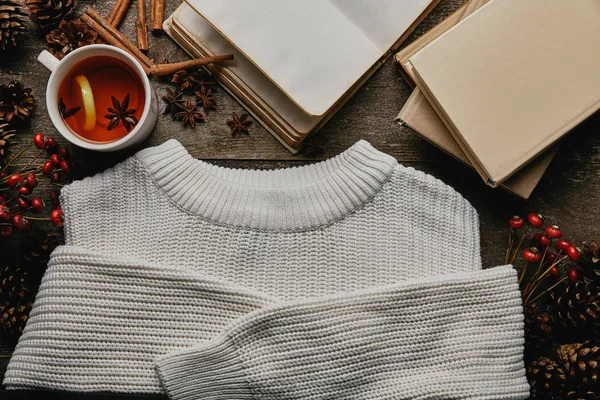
121	113
205	99
313	146
69	35
191	80
239	124
189	115
64	112
173	99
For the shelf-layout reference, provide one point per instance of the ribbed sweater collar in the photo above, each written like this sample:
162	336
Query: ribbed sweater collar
290	199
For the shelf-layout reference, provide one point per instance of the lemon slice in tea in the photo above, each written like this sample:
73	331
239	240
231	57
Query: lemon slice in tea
89	107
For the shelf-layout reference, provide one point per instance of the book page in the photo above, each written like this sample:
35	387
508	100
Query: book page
309	49
244	70
382	21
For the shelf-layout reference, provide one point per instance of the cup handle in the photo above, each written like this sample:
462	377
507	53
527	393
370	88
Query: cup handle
48	60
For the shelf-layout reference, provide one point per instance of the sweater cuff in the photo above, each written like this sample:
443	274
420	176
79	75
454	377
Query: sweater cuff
211	371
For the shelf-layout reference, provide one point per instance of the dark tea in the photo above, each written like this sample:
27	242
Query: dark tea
101	99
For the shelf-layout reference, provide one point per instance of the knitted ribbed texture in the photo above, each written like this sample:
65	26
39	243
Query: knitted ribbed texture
458	337
163	252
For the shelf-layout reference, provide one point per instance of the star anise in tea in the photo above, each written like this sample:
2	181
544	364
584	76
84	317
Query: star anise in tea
205	99
239	124
173	99
188	114
64	112
120	112
191	80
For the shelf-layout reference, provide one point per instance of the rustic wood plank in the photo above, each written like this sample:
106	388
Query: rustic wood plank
568	194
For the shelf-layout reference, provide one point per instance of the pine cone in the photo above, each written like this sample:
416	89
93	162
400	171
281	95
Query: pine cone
577	306
38	247
538	325
582	361
547	379
15	102
69	35
12	17
13	283
48	13
13	316
589	262
581	394
6	134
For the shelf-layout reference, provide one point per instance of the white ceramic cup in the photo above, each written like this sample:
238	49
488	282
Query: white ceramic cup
60	68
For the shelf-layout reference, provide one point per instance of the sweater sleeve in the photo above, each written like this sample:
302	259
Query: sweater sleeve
454	337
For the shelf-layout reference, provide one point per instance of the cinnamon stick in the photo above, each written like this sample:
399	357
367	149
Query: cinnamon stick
110	39
114	33
157	14
141	27
167	69
114	11
119	12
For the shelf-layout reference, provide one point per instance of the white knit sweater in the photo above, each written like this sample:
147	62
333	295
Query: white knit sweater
353	278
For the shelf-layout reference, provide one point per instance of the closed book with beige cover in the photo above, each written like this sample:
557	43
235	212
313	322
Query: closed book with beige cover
513	78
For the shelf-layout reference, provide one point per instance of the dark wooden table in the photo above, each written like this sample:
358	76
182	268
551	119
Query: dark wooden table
569	193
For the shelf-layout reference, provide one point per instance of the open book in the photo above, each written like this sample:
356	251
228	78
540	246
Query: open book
295	63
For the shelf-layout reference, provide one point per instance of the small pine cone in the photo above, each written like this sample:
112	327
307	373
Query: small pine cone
538	325
547	379
69	35
37	251
49	13
13	316
13	283
582	361
582	394
6	134
589	262
16	102
12	17
576	306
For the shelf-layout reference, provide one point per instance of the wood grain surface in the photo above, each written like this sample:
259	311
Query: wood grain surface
568	194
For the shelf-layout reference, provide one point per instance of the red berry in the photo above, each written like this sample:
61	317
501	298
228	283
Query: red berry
554	272
550	257
532	254
65	166
51	143
55	177
4	212
553	231
40	141
25	190
54	195
21	223
22	202
544	240
573	274
55	159
6	231
562	245
2	198
573	253
535	220
57	217
516	222
37	205
64	152
15	181
47	168
31	180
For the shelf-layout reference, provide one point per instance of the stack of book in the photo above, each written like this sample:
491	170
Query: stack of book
295	63
499	82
